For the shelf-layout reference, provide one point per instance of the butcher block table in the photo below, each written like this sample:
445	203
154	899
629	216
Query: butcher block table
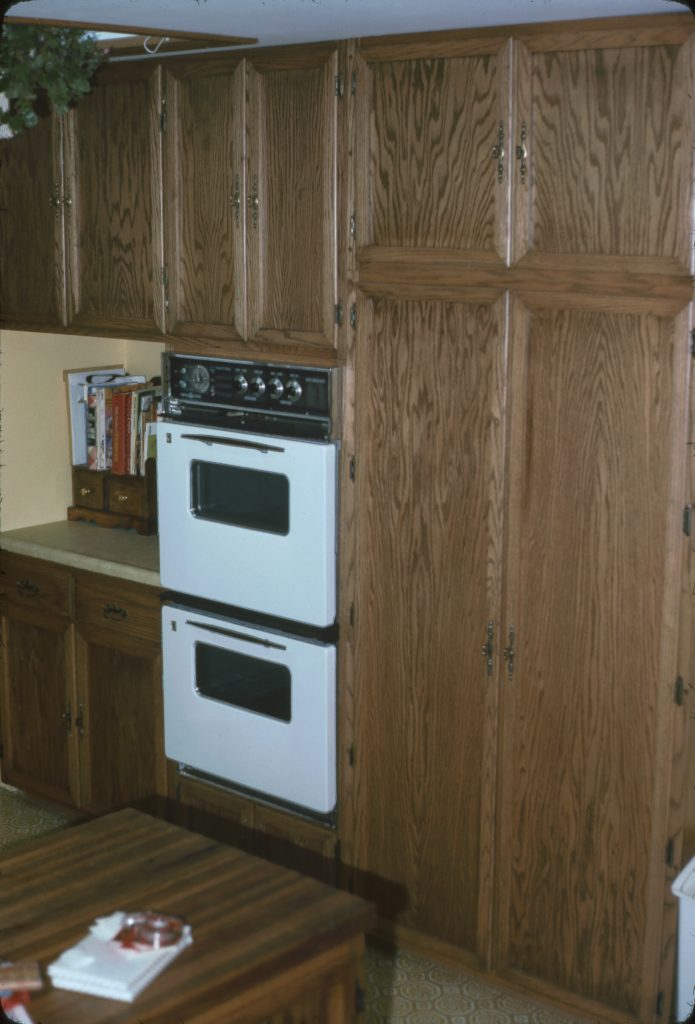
269	945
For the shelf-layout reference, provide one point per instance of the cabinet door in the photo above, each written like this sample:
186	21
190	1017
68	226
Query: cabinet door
598	445
32	269
204	208
119	693
114	228
432	114
429	457
291	197
608	125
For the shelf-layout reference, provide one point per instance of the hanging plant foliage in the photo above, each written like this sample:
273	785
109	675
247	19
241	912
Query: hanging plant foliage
41	65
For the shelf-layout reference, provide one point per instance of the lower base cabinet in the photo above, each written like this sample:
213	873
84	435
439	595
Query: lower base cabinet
80	691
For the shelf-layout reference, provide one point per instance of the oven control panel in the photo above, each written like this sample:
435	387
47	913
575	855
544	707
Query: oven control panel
267	397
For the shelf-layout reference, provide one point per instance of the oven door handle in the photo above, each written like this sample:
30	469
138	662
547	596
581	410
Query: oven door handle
231	442
236	636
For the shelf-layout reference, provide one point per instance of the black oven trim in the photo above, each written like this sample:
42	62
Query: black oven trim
271	623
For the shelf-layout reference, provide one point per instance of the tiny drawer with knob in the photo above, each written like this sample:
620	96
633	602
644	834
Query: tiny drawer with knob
112	499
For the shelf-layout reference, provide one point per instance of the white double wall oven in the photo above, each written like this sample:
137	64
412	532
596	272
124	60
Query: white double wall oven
247	485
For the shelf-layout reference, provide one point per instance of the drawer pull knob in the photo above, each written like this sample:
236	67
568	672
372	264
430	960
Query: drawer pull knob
122	497
115	612
27	589
84	491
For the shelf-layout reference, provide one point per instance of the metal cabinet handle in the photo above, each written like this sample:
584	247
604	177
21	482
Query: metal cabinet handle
27	589
522	155
254	202
114	612
498	153
84	491
487	648
508	653
235	200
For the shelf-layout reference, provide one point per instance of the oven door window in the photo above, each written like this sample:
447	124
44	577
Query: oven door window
251	684
235	496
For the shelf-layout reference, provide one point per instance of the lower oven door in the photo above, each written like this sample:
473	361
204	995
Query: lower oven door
254	707
248	520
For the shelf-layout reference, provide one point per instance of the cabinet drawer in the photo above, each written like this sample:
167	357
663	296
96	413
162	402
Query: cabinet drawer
87	488
129	609
127	494
30	583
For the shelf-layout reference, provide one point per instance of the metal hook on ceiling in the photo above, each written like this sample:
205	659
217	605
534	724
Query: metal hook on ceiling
152	50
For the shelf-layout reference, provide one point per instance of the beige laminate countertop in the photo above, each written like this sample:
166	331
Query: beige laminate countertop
124	554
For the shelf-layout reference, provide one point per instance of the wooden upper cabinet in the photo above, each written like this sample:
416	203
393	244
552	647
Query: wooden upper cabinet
291	196
434	113
607	123
32	194
114	223
204	191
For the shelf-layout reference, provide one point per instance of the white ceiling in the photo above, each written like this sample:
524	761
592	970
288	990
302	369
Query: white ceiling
294	21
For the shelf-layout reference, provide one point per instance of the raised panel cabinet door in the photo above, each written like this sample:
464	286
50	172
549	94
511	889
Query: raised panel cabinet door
38	708
115	269
433	145
598	449
291	197
204	193
609	133
32	203
428	507
121	743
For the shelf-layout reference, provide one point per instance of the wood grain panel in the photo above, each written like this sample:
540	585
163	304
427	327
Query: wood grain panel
128	610
292	242
36	695
592	454
122	739
32	270
610	152
115	219
204	178
428	533
433	180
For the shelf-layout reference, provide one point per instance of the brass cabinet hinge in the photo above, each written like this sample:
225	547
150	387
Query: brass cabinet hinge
692	342
351	755
165	285
353	225
340	85
487	649
163	115
353	316
351	469
659	1008
687	520
339	314
670	853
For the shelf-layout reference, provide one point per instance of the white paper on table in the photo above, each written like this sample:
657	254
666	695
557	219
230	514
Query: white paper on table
97	966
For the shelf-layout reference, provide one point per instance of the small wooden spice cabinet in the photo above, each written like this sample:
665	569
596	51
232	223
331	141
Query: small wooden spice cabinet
111	499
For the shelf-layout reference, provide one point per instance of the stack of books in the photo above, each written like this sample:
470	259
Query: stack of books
113	416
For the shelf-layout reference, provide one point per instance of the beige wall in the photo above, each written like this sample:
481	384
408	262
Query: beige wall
35	482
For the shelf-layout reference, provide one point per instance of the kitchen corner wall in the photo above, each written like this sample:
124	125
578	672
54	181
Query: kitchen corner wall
35	482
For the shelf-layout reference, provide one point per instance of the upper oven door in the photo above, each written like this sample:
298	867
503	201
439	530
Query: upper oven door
248	520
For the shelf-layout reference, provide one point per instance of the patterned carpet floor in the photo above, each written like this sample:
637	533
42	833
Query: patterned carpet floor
402	988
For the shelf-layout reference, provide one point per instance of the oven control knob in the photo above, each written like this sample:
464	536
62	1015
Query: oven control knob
293	390
257	386
275	387
240	384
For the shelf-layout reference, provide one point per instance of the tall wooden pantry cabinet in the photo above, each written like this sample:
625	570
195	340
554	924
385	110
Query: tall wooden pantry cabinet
523	365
